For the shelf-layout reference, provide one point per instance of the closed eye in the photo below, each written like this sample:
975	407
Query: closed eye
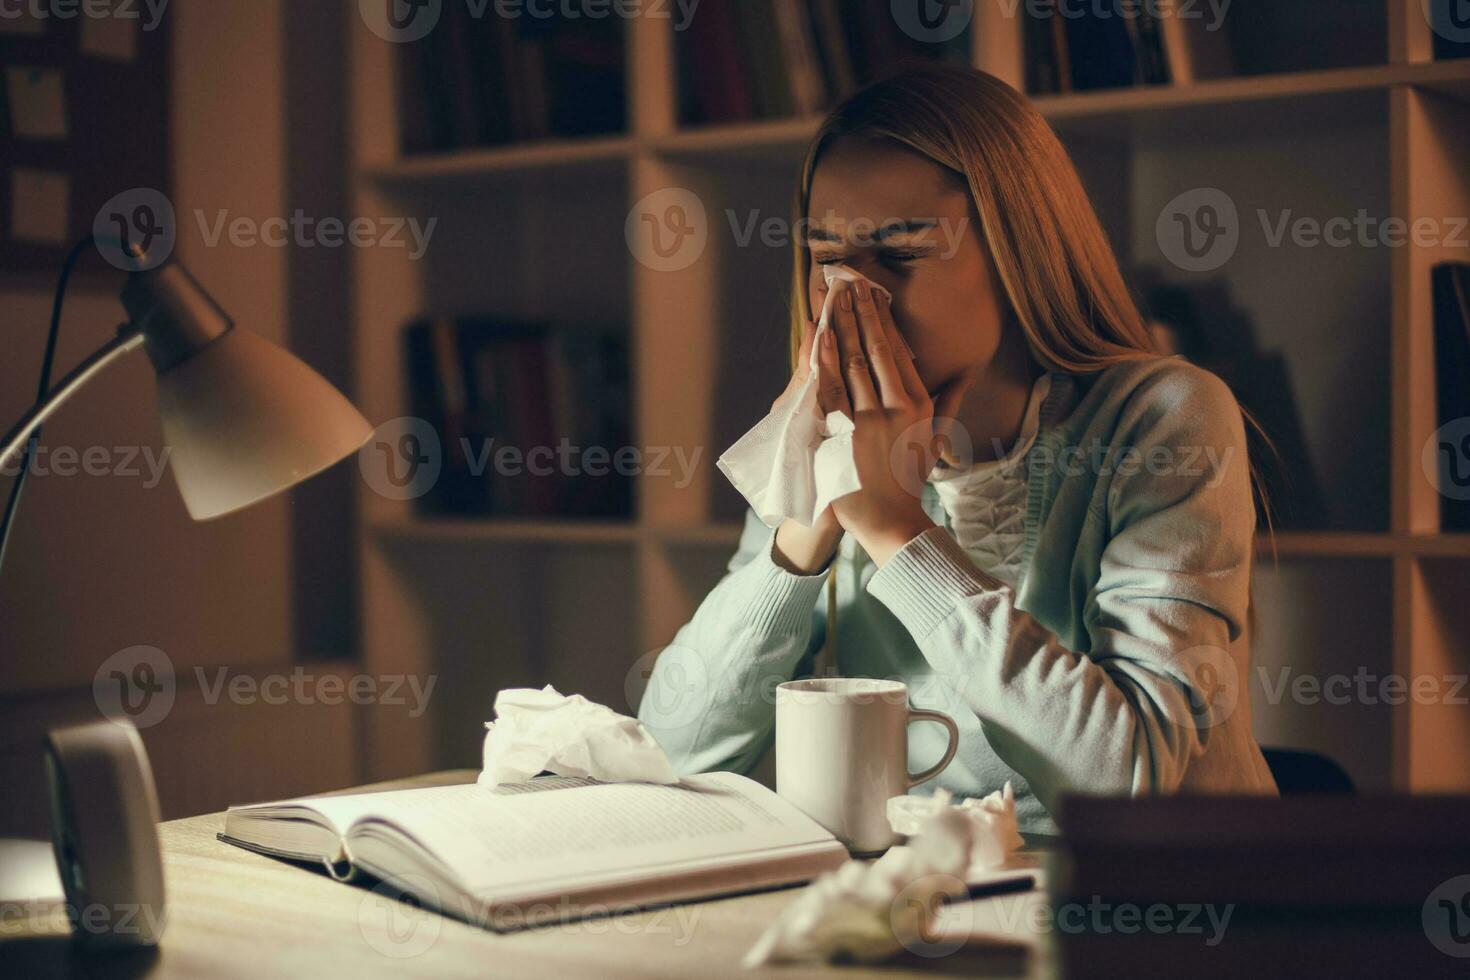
909	254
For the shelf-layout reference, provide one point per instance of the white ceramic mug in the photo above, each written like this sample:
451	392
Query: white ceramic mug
842	749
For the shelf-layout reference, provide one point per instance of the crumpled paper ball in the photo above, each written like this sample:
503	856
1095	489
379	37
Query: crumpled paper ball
869	912
536	731
995	836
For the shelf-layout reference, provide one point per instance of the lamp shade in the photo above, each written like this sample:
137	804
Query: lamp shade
243	419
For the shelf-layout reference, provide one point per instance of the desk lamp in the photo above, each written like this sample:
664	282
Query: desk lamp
243	420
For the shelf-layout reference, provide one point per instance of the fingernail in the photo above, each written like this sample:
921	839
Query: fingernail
827	340
846	299
862	290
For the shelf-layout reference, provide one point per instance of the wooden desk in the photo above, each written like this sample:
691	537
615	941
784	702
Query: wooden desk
233	913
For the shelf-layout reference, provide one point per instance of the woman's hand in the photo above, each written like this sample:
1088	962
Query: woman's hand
867	371
801	549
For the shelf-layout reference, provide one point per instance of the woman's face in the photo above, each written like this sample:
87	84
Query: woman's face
908	224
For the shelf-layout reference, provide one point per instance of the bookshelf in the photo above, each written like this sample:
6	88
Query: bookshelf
537	230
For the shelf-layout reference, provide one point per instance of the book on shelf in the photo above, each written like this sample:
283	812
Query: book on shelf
765	59
1195	50
1091	48
712	75
484	80
1451	283
517	407
552	849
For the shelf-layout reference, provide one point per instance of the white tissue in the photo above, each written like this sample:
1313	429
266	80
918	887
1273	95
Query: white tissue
542	730
795	461
869	912
995	833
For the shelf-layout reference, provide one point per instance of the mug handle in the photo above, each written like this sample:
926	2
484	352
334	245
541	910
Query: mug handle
924	714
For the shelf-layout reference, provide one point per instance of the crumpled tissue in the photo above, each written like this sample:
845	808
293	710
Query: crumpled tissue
995	836
796	461
869	912
543	730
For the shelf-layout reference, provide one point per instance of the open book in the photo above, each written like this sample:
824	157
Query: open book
552	849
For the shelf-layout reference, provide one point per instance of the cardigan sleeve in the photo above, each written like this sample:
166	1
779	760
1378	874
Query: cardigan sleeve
1128	715
710	700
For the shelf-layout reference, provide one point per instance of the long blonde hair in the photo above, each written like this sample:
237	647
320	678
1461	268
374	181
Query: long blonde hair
1051	254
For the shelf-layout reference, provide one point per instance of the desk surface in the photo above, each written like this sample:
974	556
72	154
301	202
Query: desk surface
233	913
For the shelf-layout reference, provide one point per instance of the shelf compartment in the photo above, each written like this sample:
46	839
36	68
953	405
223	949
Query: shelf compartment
1318	621
1324	331
1434	730
778	138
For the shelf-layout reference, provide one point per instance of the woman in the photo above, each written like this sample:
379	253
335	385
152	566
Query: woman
1072	583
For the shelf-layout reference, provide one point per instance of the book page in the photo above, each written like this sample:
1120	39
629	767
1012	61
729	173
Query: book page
312	827
340	811
494	841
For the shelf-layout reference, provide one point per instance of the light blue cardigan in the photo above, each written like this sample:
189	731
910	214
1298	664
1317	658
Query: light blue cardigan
1117	665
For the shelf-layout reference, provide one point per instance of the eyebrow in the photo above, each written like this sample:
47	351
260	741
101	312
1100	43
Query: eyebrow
891	229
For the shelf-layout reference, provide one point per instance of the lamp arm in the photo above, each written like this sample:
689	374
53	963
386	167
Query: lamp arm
129	338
